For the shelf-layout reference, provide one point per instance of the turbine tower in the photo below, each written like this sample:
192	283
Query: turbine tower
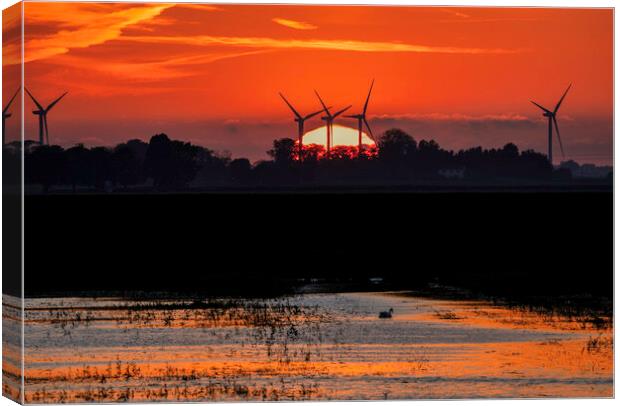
361	118
42	113
300	123
329	120
6	115
551	115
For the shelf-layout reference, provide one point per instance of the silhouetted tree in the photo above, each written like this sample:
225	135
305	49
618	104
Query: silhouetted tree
100	158
397	150
397	158
139	148
126	166
264	172
343	152
241	171
430	158
171	164
396	146
158	160
184	162
79	166
46	166
283	171
503	163
283	151
213	168
312	153
510	151
533	165
562	174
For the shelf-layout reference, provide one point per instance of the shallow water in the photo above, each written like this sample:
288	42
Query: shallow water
312	346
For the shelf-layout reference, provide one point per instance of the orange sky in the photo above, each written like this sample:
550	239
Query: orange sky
210	74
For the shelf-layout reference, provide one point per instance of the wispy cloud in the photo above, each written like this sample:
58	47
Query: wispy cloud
454	13
150	71
461	17
490	20
199	7
70	26
297	25
456	117
327	44
78	26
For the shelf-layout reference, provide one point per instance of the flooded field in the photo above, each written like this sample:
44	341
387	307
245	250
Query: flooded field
312	346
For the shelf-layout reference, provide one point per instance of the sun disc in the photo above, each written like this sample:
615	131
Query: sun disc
343	136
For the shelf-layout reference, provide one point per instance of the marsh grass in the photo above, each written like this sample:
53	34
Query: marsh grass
273	325
580	316
271	320
599	344
583	310
174	385
285	337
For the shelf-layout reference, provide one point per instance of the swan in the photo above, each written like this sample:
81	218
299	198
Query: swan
386	315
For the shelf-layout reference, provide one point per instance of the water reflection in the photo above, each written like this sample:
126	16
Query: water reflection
312	346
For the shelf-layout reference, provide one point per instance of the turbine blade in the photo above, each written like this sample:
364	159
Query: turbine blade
557	131
290	106
52	104
369	130
34	100
539	106
312	114
368	97
350	116
11	101
341	111
562	99
322	104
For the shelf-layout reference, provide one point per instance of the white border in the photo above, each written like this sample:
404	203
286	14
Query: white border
464	3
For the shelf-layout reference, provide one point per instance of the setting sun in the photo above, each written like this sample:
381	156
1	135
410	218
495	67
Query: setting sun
343	136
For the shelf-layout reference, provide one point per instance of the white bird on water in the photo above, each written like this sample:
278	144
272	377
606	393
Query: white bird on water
386	315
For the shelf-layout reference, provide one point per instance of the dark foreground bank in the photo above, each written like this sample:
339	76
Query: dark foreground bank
505	244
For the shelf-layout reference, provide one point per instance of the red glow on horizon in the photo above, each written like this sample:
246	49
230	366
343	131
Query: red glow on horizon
211	74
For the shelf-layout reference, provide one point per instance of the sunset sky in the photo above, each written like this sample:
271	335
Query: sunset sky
211	74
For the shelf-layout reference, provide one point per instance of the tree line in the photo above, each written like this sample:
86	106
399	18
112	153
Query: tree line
166	164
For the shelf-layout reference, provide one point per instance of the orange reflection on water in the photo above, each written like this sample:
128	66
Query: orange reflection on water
482	314
321	347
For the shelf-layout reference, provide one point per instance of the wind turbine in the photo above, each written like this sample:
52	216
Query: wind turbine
551	115
6	115
42	113
300	122
329	120
361	118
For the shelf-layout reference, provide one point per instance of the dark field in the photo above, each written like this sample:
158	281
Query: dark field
505	244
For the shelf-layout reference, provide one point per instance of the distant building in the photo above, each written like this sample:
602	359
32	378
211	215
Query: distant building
586	170
452	173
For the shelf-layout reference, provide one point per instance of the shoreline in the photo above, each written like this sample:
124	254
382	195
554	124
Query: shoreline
577	305
586	186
